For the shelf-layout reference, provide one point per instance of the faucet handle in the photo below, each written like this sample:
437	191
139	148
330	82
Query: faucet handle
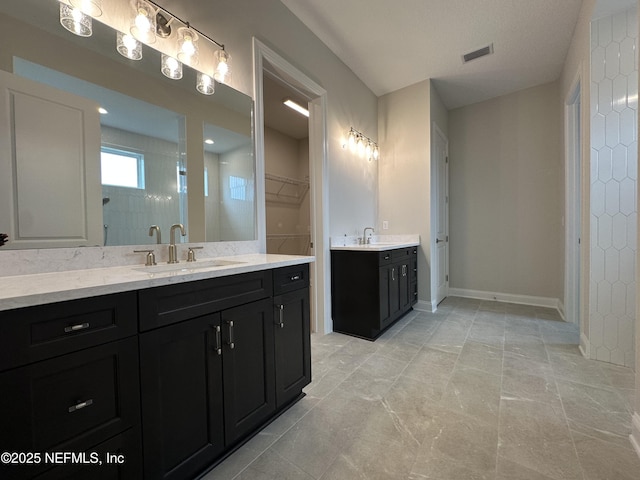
191	254
151	258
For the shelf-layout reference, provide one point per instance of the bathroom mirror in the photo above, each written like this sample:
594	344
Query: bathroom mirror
155	128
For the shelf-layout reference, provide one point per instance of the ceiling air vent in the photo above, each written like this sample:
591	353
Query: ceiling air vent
481	52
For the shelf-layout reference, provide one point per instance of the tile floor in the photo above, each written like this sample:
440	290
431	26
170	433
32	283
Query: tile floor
478	390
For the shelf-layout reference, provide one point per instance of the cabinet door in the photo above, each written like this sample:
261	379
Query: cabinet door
385	295
69	403
293	350
394	290
181	383
403	286
249	368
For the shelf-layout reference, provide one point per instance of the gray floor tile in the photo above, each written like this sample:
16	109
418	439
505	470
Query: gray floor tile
479	390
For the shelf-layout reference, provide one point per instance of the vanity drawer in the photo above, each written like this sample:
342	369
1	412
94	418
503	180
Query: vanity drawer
170	304
401	253
36	333
384	257
72	402
288	279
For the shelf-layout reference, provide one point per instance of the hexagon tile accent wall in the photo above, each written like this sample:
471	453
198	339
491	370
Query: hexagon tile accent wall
614	153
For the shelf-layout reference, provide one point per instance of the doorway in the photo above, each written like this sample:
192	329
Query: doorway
440	214
269	63
572	205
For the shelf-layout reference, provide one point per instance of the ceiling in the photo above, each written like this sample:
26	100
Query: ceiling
391	44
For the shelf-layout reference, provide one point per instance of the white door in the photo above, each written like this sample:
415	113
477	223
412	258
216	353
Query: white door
50	191
441	210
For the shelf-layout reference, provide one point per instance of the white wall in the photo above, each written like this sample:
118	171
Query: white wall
404	120
506	201
613	174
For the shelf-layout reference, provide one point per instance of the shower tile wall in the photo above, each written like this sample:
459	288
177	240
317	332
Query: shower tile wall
131	211
614	150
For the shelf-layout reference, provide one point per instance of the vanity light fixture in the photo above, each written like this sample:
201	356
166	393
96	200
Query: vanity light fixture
362	145
143	26
75	21
92	8
209	141
296	106
205	84
102	111
171	68
128	46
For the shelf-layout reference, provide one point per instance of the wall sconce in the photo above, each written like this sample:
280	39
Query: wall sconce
75	21
362	145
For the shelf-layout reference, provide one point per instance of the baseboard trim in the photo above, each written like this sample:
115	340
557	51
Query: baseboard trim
635	432
423	306
585	346
507	297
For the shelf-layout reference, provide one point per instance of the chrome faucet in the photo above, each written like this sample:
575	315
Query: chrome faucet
173	257
364	235
156	228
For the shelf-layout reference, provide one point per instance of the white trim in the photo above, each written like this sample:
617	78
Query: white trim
423	306
506	297
635	432
561	309
435	130
318	172
585	346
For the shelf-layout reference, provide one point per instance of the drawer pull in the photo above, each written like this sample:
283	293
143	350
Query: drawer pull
281	322
75	328
80	406
218	345
231	342
387	257
295	277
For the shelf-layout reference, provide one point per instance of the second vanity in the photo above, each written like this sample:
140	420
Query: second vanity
373	284
144	373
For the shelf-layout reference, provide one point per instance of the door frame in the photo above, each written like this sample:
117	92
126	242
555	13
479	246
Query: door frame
266	58
573	199
436	131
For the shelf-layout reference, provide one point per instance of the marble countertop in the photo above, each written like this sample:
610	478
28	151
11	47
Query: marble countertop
19	291
379	243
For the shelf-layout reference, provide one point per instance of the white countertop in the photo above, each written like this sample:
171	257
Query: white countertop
19	291
379	243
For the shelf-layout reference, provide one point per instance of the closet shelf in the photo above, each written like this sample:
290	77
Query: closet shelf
279	189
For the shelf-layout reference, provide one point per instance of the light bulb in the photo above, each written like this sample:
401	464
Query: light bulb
205	84
171	68
223	66
187	46
75	21
360	146
352	141
144	23
368	150
376	153
128	46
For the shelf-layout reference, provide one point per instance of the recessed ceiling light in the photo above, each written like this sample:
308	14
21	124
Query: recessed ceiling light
208	141
295	106
103	111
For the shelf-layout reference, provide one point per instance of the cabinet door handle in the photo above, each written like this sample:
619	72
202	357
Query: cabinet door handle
218	346
75	328
231	342
404	270
295	277
281	318
80	405
393	274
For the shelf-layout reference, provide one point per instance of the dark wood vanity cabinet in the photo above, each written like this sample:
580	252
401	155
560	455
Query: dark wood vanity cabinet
69	382
370	290
172	378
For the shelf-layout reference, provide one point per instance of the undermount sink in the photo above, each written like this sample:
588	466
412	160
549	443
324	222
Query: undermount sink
187	266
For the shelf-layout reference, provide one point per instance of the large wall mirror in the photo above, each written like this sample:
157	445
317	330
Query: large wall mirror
165	153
